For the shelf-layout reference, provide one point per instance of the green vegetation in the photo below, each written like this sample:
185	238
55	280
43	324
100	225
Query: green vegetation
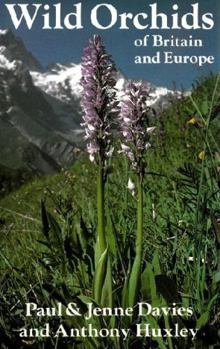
48	233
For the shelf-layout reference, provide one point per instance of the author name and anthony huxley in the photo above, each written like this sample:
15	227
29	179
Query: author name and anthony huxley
143	328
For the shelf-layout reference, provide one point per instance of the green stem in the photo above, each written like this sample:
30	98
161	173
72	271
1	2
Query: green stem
101	208
139	239
134	281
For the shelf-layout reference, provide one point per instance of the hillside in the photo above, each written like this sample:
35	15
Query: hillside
52	223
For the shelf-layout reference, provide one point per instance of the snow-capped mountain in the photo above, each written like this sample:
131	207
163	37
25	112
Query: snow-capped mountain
60	81
63	82
40	110
14	50
38	132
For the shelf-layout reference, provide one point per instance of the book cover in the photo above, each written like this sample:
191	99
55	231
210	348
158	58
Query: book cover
109	174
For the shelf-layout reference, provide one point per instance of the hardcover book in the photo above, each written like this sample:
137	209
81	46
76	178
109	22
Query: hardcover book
109	174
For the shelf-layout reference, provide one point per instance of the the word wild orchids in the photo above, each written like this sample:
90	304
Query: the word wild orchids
135	131
99	105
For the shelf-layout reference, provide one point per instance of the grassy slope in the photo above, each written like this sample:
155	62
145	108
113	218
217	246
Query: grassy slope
177	188
176	144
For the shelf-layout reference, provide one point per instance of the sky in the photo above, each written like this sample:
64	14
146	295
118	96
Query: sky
65	46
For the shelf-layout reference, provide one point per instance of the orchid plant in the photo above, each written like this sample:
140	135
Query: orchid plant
135	131
99	106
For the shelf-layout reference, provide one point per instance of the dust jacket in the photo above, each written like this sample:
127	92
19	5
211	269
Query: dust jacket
109	174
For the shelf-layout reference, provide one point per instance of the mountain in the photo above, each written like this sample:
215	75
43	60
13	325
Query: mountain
63	82
40	111
38	131
13	49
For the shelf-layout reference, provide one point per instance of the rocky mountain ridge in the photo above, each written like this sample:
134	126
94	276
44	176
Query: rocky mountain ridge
38	131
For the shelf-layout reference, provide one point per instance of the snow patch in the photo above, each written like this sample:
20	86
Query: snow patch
4	62
3	31
61	81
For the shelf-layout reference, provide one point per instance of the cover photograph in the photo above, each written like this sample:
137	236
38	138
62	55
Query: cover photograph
109	174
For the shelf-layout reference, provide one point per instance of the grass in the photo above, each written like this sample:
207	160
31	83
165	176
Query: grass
47	249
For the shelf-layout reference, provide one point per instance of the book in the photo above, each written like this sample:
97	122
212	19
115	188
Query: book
109	174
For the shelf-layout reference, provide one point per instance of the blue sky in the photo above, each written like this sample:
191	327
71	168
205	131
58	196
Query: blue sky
65	46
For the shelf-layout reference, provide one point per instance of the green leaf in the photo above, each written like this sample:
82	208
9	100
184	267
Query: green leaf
146	283
156	264
202	321
97	252
153	324
134	282
107	296
99	277
216	278
204	318
111	240
125	294
167	326
148	286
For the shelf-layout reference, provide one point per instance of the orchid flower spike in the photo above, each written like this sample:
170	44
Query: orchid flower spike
134	124
98	99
